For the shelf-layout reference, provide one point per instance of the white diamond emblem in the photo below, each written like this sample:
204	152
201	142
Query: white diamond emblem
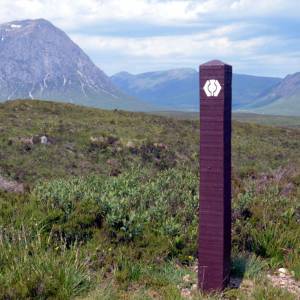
212	88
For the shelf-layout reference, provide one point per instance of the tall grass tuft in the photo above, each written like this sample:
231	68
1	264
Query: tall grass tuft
29	268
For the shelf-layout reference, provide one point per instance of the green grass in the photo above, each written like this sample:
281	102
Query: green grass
262	119
115	216
248	266
30	270
279	121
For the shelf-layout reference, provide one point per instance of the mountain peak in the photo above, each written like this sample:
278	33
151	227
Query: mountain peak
29	23
288	86
38	60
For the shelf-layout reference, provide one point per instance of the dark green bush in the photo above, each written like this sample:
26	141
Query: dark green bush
126	204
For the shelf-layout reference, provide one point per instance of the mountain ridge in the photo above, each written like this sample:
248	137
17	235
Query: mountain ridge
38	60
179	88
282	99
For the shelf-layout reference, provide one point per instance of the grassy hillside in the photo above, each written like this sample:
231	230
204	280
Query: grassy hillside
278	121
245	117
109	209
287	106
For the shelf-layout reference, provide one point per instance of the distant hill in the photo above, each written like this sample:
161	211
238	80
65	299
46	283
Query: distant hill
248	88
38	60
173	89
178	89
282	99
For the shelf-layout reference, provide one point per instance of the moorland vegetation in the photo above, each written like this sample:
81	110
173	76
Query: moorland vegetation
108	207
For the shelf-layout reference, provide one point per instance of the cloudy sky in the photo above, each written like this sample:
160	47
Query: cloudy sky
256	36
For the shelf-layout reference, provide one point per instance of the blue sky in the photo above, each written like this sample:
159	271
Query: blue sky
256	36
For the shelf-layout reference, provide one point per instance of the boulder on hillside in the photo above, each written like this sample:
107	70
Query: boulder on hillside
11	186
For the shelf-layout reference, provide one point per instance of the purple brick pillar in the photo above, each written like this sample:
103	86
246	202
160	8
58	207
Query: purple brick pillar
214	242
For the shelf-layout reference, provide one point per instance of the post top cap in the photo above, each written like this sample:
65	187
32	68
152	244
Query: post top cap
215	62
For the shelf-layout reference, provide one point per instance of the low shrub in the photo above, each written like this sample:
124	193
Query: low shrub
248	266
126	204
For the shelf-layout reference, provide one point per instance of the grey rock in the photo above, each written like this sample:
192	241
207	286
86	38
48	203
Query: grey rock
44	140
11	186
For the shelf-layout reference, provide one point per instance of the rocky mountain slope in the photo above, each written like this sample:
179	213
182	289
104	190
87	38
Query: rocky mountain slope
38	60
283	99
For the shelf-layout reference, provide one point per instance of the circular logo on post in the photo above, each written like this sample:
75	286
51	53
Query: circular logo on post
212	88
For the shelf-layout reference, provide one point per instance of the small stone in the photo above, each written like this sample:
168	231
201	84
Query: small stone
130	145
194	287
186	278
186	293
235	282
27	141
247	283
283	271
44	140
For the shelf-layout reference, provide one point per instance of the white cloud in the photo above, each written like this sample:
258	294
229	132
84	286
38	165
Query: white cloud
75	14
244	30
160	52
213	42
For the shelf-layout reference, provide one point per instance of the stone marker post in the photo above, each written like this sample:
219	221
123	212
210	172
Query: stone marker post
214	242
